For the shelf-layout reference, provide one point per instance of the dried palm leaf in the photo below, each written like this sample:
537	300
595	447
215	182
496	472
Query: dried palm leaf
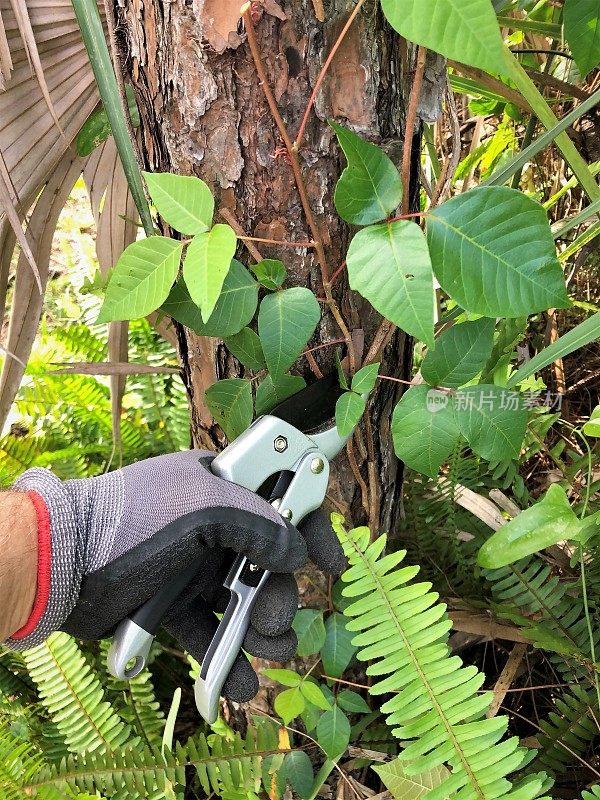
110	368
27	300
5	57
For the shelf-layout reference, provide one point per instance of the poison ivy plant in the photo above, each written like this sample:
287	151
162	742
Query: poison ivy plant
286	321
275	389
582	32
230	403
206	265
489	264
370	187
351	405
184	202
460	354
389	265
466	31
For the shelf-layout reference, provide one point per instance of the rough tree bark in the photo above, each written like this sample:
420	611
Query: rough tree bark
203	112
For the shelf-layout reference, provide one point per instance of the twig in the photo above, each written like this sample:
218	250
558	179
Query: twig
375	504
385	331
279	242
411	118
359	478
230	217
295	164
320	79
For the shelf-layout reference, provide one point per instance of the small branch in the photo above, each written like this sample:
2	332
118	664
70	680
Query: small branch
411	118
337	273
295	164
279	242
325	68
358	477
323	346
230	218
421	214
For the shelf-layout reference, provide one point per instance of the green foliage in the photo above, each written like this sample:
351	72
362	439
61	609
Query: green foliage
274	390
270	273
234	309
298	770
337	651
333	732
550	521
370	188
465	32
478	229
96	129
349	408
310	630
569	730
141	279
230	403
582	31
286	321
206	264
410	787
390	266
437	711
460	354
184	202
246	347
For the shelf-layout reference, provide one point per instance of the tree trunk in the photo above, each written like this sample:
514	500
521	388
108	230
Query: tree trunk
203	112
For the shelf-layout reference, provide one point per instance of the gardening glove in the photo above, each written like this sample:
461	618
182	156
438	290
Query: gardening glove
108	544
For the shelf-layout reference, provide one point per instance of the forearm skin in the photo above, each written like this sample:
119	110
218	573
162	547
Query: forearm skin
18	561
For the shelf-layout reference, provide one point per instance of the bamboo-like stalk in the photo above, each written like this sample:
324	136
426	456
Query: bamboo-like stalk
92	33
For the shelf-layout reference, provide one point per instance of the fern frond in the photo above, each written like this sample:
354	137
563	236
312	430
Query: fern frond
136	702
436	710
530	589
74	696
568	731
227	765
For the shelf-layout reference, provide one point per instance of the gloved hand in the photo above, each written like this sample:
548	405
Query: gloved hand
115	540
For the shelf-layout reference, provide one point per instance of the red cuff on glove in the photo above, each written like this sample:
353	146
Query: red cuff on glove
43	567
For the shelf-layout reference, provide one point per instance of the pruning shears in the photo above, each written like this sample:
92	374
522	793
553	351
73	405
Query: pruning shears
284	457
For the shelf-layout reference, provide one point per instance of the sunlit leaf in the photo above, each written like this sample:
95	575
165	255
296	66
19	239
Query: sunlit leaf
489	264
289	704
141	279
389	265
410	787
184	201
549	521
206	265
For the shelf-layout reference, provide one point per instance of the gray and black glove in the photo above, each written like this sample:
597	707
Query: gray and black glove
110	543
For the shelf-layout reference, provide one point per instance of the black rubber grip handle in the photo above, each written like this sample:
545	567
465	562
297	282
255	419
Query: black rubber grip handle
150	615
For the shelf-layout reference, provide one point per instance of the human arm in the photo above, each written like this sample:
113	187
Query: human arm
18	560
116	539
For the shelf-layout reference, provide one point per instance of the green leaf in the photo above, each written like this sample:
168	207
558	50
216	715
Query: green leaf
298	770
289	704
273	391
235	307
352	702
549	521
592	426
412	786
333	732
582	31
582	334
230	403
141	279
183	201
308	624
337	651
283	676
461	352
464	31
365	379
270	273
349	408
390	266
492	419
96	129
370	187
206	265
286	321
246	347
424	429
314	694
489	264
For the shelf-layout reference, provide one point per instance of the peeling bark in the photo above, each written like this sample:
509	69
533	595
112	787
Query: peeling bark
203	113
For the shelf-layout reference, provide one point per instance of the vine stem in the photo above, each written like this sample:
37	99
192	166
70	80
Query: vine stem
301	186
321	78
411	118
